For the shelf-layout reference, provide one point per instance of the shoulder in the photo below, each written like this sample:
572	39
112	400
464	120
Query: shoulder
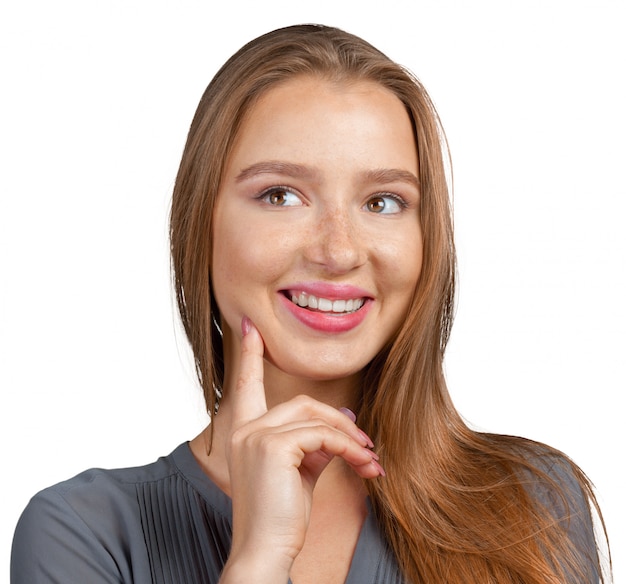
91	522
562	492
98	498
549	476
554	479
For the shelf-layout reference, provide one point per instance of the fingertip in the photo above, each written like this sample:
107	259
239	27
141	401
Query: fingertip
251	339
348	413
370	470
379	468
246	325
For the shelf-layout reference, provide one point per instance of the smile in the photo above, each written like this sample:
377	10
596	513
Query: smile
311	302
337	309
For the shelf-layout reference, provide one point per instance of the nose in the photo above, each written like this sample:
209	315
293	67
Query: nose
336	242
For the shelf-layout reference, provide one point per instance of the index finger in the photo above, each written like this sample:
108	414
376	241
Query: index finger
249	391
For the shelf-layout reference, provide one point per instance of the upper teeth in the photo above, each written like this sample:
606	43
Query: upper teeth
324	304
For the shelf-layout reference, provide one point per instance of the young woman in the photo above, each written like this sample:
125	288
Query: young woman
314	270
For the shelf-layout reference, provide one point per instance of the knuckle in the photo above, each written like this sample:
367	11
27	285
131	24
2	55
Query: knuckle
246	379
246	350
304	402
267	442
241	383
260	441
238	437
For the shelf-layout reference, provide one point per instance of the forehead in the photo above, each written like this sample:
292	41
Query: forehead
311	93
292	117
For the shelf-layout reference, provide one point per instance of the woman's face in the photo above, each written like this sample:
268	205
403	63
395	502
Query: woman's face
317	235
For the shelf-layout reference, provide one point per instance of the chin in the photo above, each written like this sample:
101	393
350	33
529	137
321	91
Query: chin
317	370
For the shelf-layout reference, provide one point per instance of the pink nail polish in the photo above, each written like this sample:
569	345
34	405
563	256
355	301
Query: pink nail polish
367	439
245	325
348	413
379	468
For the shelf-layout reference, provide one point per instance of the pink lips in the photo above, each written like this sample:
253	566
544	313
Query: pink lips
329	322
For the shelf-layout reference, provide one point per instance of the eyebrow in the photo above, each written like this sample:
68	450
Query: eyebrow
379	176
276	167
389	175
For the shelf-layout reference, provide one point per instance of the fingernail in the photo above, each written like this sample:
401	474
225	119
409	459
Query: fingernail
379	468
245	325
348	413
367	439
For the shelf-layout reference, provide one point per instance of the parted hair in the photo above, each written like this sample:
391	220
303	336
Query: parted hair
456	505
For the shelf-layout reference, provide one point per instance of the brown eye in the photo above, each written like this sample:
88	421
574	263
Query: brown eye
277	198
376	205
281	197
385	204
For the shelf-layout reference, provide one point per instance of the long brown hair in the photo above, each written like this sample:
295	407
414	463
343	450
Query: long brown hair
456	505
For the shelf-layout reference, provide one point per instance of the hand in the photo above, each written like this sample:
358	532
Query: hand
275	458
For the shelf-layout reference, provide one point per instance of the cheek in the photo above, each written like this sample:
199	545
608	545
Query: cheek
244	254
401	261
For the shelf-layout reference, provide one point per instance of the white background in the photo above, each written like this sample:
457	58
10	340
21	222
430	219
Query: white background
95	102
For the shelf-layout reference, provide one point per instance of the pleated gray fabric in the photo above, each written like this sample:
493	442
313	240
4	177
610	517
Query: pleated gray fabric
186	542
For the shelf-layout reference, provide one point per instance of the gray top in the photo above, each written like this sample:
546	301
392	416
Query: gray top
166	523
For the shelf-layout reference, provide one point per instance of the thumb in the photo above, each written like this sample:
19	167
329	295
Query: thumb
249	392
